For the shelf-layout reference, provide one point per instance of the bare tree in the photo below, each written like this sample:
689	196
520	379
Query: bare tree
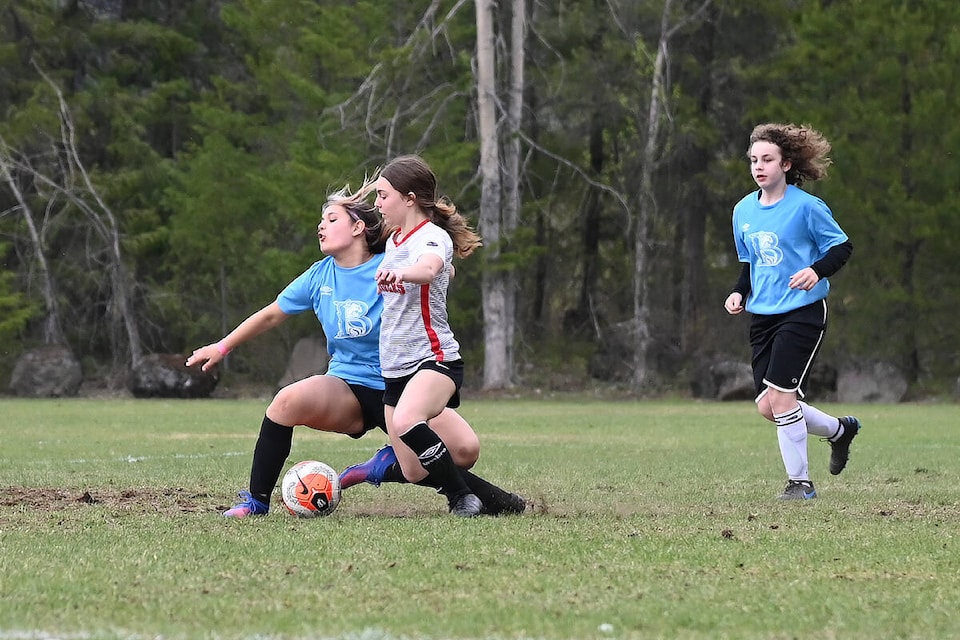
499	120
511	174
70	182
364	108
52	323
499	199
495	368
657	111
500	187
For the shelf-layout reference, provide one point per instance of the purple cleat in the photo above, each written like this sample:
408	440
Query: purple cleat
248	506
370	471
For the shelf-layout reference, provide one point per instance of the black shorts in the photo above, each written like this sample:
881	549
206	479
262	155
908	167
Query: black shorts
371	406
452	369
785	346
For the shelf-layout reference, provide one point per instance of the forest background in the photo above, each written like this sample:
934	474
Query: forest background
163	165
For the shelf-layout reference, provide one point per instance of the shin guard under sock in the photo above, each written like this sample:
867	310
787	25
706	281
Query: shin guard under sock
435	458
792	437
269	455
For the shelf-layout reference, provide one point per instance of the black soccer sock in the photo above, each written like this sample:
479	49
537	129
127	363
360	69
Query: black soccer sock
394	473
436	460
433	483
271	451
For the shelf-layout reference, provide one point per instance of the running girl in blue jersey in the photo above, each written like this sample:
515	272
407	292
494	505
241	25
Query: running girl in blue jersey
341	290
789	244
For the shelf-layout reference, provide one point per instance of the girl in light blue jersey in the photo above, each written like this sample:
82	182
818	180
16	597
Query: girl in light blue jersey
341	290
789	244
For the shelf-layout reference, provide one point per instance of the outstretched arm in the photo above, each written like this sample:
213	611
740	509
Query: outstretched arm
261	321
423	271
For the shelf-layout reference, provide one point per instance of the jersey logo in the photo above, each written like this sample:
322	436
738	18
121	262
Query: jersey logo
352	320
326	290
391	288
766	246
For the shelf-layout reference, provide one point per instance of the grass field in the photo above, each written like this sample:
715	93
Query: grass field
652	520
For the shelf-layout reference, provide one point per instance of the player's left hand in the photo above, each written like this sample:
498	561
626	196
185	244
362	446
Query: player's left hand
206	356
805	279
388	277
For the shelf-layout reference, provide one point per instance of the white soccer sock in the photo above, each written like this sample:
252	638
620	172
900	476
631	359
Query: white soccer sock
792	436
820	423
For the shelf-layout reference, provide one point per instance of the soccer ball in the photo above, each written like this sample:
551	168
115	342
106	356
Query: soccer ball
310	488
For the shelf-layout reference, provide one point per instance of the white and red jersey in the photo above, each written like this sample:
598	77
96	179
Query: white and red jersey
414	325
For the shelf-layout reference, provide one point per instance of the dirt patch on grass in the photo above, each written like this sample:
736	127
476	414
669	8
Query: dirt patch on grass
180	500
167	500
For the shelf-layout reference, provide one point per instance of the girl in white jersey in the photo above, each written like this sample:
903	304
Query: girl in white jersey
789	245
419	355
341	290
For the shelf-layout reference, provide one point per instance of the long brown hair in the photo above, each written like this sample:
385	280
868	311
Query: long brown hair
803	146
411	174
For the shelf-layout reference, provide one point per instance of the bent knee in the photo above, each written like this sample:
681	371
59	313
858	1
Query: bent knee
465	454
281	403
288	406
764	410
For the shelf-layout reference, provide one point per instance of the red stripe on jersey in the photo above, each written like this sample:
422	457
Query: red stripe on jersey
399	238
427	324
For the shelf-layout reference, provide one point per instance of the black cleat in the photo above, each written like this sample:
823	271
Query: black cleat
840	449
466	506
798	490
510	504
513	505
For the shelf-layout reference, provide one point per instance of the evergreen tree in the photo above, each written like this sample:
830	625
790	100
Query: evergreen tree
879	79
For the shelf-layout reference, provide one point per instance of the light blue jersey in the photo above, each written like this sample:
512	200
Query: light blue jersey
780	240
348	306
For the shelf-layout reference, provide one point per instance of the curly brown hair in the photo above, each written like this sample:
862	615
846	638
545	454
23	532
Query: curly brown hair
411	174
803	146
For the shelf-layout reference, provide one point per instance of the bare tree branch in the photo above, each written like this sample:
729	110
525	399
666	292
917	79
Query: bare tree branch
689	18
618	196
52	325
370	91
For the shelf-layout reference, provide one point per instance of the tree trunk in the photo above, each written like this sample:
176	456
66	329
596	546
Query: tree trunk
647	208
511	174
646	212
590	222
52	325
495	368
692	278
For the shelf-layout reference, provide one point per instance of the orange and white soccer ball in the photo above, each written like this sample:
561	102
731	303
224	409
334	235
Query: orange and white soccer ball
310	488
